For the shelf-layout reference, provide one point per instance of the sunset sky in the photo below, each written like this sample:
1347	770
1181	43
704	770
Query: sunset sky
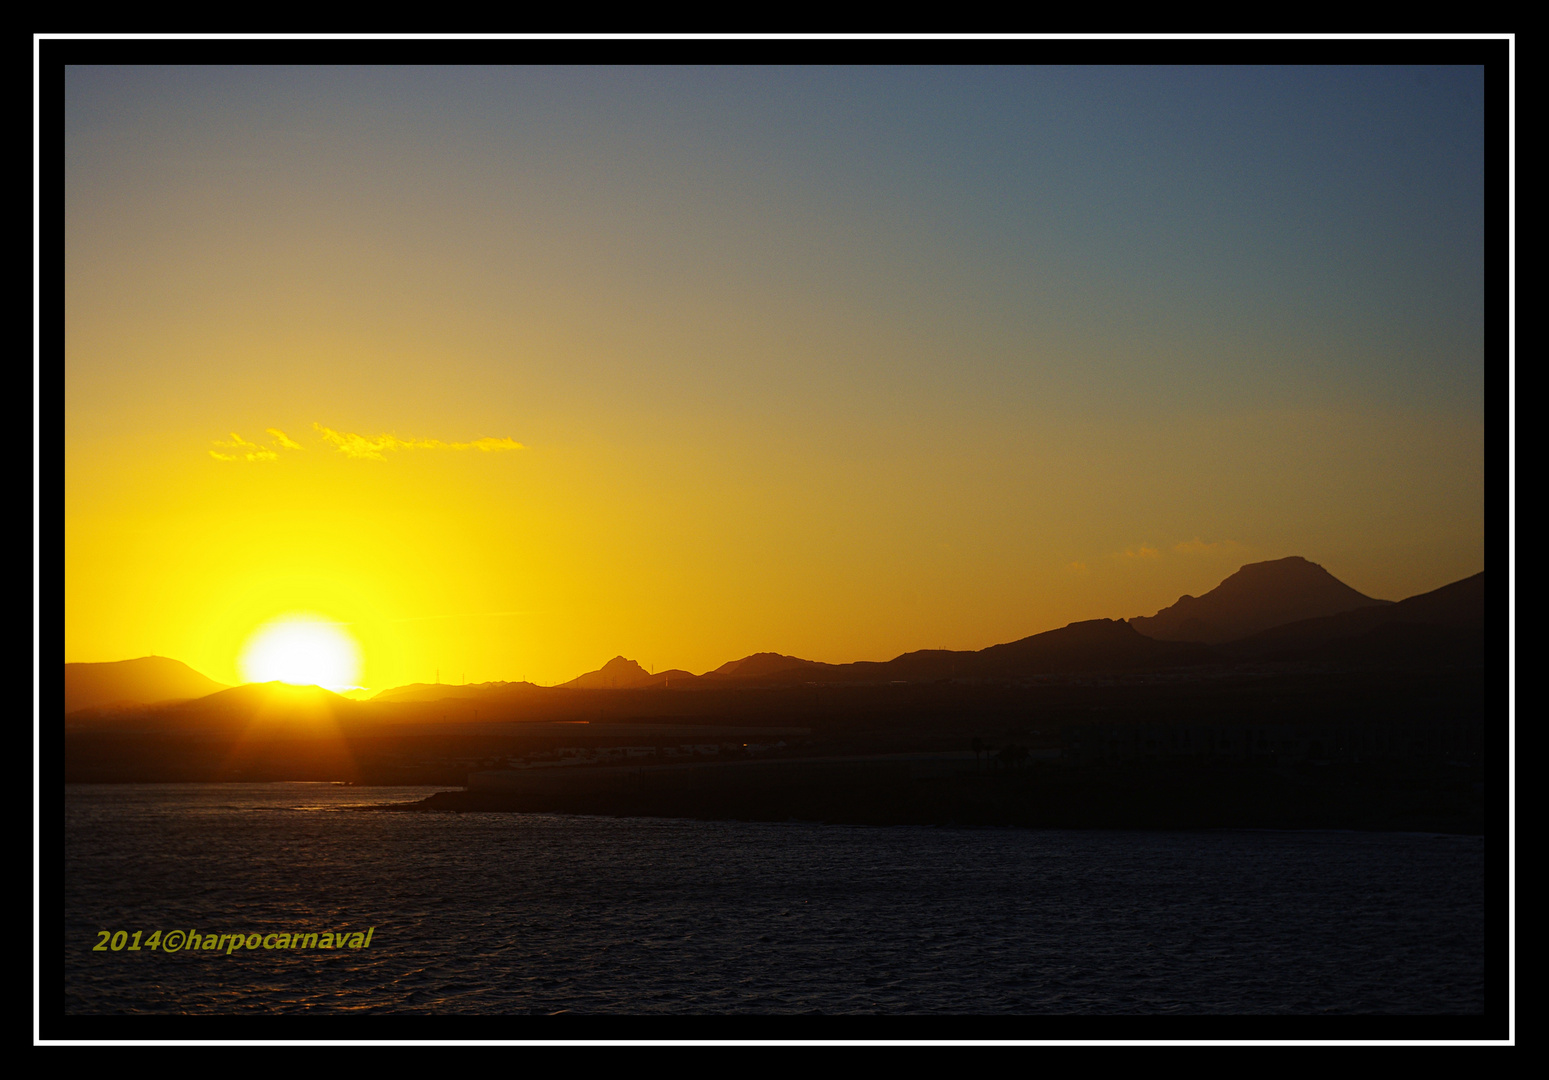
512	370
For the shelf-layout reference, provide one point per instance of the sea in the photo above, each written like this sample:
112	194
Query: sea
494	914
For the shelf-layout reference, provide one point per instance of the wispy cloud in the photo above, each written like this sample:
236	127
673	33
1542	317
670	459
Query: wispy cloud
359	446
1144	551
1197	546
350	444
1075	568
239	449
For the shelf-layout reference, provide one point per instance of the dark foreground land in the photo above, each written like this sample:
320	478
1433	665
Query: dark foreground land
1415	798
1221	747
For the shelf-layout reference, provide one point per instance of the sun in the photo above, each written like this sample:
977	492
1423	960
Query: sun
304	649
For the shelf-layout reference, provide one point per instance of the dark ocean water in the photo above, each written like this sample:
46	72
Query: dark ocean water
532	914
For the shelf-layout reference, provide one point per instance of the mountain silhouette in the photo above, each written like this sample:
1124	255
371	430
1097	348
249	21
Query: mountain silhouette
1285	609
133	682
616	674
267	702
443	691
767	664
256	695
1442	626
1257	597
1093	645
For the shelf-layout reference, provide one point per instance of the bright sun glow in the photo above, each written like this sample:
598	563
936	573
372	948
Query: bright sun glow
302	649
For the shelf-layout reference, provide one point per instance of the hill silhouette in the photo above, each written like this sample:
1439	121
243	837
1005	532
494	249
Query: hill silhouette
133	682
1094	645
616	674
767	664
1258	613
250	696
1442	626
264	703
443	691
1257	597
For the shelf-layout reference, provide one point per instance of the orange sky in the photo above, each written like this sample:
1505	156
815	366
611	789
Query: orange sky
513	371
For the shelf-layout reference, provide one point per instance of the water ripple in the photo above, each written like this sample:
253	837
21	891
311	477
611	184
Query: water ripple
544	913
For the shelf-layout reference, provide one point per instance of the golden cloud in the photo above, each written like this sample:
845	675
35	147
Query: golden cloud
239	449
1144	551
352	445
358	446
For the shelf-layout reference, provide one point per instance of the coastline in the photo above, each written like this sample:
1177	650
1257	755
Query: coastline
1428	798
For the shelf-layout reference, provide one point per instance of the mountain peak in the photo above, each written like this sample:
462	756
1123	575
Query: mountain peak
758	665
618	673
1257	597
